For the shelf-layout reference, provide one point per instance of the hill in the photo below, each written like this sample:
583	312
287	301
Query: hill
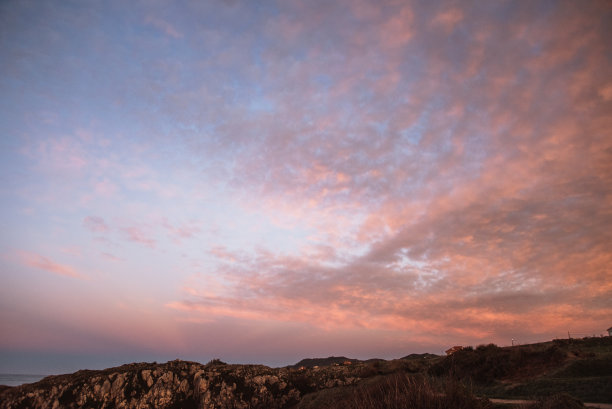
580	368
421	356
329	361
178	384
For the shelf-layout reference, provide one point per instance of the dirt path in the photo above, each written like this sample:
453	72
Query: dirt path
520	401
510	401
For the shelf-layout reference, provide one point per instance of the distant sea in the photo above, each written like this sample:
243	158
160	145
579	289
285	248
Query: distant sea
18	379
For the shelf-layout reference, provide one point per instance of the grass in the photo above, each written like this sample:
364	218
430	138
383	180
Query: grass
397	391
488	363
581	368
553	374
595	389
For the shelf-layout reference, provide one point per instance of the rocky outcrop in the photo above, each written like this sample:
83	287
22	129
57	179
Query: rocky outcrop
176	384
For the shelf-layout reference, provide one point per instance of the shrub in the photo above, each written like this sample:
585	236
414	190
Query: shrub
369	370
301	382
216	361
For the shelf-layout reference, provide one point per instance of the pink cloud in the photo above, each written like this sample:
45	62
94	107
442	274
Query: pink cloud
111	257
397	30
137	235
96	224
58	155
222	253
184	231
105	188
606	92
448	18
42	263
163	26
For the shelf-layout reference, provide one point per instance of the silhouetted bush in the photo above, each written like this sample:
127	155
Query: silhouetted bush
216	361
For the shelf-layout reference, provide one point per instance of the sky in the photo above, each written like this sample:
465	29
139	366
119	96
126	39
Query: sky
266	181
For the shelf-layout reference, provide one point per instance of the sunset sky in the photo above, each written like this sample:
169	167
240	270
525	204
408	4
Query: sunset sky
265	181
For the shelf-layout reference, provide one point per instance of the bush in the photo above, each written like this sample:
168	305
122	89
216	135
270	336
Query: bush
216	361
302	382
369	370
401	391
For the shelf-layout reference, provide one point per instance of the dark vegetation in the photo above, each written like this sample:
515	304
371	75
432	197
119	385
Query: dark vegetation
397	391
581	368
488	363
556	375
216	361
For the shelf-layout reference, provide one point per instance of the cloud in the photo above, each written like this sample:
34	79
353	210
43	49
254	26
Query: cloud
137	235
465	296
95	224
448	18
58	155
182	231
465	189
105	188
37	261
606	92
396	31
163	26
111	257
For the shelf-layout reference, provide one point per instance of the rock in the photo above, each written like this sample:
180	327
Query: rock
176	384
145	374
106	387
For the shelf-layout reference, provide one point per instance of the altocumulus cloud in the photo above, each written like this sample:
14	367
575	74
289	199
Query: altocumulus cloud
474	157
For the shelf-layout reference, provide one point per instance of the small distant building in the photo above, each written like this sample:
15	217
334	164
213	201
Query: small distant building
454	349
347	362
610	332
